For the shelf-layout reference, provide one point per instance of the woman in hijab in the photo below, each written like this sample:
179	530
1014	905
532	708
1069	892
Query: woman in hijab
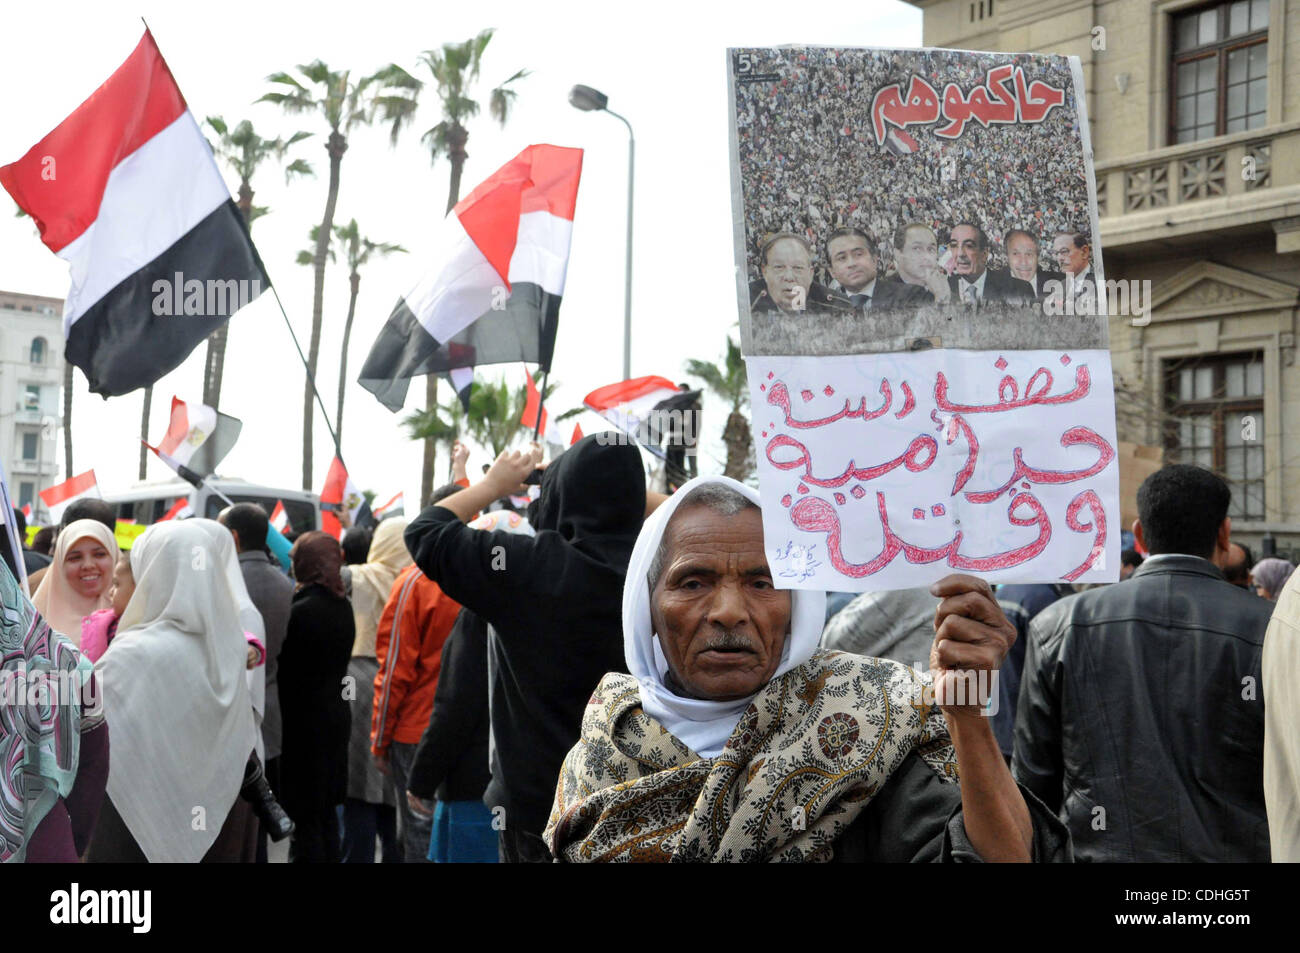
77	582
174	684
313	669
1269	576
371	806
55	752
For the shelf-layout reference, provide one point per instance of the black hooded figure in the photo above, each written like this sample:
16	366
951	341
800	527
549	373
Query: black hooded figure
553	603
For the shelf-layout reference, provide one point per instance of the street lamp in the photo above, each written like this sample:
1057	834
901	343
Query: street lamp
588	100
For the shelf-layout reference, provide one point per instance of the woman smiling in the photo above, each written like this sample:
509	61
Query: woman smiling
78	581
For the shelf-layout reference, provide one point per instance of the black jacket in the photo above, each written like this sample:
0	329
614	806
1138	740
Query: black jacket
999	288
892	291
554	602
317	718
451	761
1141	719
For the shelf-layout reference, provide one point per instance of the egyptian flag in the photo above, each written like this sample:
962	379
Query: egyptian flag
532	408
83	484
199	436
493	293
901	143
394	507
577	434
180	510
127	192
280	518
340	496
461	380
629	406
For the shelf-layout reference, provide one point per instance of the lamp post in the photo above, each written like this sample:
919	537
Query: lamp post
588	100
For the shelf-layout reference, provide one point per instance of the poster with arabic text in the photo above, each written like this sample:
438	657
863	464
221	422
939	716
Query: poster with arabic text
923	313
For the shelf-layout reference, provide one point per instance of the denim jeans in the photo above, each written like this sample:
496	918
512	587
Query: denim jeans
413	831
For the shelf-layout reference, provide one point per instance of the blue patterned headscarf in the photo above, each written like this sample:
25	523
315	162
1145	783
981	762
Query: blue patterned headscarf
43	679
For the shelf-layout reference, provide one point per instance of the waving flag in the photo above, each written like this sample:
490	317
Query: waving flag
180	510
198	436
394	507
83	484
339	496
127	192
280	518
532	407
577	434
493	294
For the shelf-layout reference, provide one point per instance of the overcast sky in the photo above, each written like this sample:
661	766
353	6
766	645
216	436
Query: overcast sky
662	66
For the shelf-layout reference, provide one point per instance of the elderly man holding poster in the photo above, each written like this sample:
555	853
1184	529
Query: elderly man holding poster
735	739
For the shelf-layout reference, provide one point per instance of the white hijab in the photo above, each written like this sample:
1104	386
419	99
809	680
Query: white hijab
249	616
704	726
175	694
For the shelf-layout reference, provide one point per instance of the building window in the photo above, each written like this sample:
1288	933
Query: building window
38	351
30	445
32	397
26	493
1219	73
1215	409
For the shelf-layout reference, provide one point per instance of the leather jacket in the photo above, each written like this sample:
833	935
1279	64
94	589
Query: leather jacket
1141	717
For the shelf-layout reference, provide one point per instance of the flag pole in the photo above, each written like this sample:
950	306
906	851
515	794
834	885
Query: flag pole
311	378
541	404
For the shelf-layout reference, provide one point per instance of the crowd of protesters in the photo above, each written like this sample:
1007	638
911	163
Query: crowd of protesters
457	689
810	163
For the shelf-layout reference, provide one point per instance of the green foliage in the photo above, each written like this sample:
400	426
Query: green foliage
495	409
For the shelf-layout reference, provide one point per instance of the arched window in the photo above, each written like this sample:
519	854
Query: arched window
38	350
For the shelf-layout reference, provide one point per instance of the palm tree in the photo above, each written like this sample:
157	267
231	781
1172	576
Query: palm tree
243	150
455	69
357	250
731	384
495	409
345	104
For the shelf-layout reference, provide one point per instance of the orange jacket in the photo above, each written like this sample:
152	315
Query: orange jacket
416	622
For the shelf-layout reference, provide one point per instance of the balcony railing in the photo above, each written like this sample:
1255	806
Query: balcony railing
1250	170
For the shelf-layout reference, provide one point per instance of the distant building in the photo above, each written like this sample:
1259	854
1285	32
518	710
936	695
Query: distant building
1194	112
31	385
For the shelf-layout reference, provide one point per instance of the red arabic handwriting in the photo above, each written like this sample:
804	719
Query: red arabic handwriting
1005	97
779	396
814	515
1072	437
918	456
1033	397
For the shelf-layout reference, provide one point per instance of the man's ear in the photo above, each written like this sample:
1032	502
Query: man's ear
1137	536
1224	539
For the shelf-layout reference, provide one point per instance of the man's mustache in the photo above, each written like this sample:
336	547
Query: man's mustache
728	639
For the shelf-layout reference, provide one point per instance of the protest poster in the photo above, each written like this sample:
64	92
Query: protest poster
923	315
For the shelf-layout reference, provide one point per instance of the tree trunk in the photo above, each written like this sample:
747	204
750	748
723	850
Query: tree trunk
144	429
336	146
215	362
355	281
738	440
457	154
67	419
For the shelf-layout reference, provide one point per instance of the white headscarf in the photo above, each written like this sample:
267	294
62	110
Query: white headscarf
704	726
249	616
61	605
175	693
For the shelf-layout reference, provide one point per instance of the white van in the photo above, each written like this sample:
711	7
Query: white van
147	503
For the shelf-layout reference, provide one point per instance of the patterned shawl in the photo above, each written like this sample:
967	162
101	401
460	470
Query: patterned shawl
42	687
805	760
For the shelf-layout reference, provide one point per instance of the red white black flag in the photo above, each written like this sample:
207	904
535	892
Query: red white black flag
126	191
493	293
